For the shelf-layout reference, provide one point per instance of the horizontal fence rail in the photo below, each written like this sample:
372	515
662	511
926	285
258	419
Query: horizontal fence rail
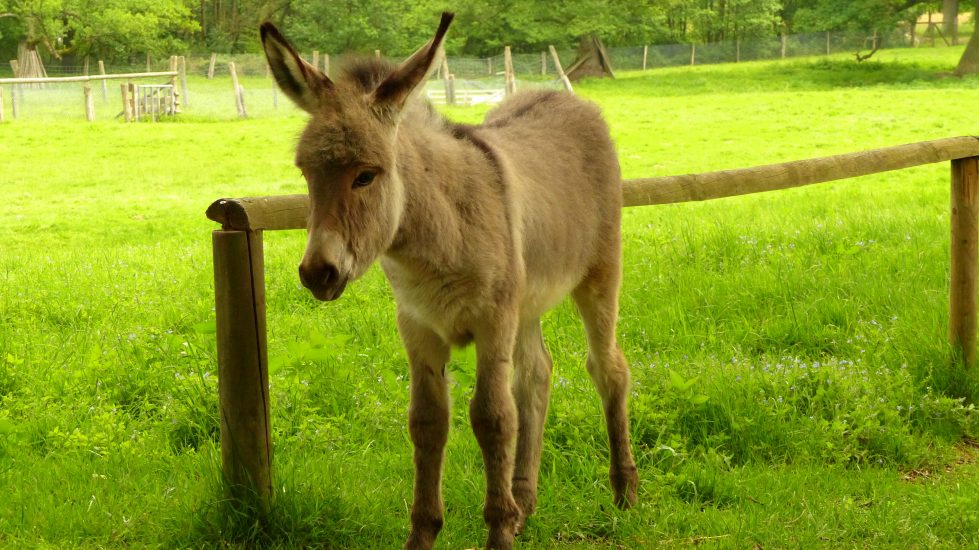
240	285
86	78
290	211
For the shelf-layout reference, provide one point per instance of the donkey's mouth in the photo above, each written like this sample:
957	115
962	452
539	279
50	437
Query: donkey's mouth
328	294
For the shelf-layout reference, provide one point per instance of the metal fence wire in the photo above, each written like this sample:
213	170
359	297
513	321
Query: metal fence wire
476	79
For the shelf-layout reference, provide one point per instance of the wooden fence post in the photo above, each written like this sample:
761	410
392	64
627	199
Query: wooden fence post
133	101
85	66
316	58
148	66
105	85
15	66
785	44
89	103
127	111
183	79
489	66
828	41
174	68
243	378
543	63
326	64
377	54
693	54
645	55
450	96
239	96
964	247
509	79
560	70
210	66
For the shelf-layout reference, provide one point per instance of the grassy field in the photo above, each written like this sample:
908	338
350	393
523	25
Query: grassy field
792	382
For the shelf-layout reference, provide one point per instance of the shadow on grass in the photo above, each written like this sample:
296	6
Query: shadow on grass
296	520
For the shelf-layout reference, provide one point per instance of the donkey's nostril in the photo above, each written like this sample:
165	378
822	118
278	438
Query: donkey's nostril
330	275
318	277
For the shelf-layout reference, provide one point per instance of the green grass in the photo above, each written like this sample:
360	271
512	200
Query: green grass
793	386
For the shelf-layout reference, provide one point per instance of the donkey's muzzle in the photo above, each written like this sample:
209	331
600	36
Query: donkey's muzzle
323	280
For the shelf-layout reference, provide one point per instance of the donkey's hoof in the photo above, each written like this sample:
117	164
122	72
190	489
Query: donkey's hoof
420	541
625	487
500	539
526	498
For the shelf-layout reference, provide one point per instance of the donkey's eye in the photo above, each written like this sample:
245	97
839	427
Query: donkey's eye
364	178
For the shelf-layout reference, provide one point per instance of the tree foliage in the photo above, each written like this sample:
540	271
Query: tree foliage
111	29
114	29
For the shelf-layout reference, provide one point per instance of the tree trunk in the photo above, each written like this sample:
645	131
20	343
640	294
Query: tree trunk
950	20
969	62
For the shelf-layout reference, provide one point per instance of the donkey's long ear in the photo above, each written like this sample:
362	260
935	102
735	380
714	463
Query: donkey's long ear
397	88
302	82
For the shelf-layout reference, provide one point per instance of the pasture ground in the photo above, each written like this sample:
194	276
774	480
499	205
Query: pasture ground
792	384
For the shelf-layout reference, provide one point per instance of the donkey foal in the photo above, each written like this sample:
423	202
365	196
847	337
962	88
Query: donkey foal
480	230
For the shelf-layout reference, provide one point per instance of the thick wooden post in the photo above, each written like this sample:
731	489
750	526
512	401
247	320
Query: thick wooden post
964	243
127	110
243	378
210	66
326	64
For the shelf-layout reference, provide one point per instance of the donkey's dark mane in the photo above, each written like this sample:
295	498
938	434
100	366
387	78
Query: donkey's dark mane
367	72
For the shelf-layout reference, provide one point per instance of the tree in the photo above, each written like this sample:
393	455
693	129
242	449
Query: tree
969	62
111	29
950	20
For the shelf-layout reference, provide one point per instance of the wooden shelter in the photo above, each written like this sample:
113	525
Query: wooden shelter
592	60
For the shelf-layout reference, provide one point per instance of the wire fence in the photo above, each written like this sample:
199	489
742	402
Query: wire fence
210	94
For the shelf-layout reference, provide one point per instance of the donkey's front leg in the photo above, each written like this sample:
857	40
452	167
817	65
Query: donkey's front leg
428	424
494	420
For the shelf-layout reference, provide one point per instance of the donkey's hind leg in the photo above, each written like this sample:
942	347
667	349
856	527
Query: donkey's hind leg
428	425
531	389
597	298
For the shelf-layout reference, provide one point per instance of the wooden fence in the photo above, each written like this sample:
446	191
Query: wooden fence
177	78
239	280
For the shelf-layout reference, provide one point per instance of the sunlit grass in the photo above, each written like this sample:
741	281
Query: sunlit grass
788	349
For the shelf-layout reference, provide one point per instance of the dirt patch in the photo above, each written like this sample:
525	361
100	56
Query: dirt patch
966	453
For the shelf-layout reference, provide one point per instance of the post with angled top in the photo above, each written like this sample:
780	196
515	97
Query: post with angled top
560	70
509	80
210	66
326	64
964	247
239	100
243	378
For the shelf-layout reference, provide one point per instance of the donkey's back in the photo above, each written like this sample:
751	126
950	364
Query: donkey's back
564	189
